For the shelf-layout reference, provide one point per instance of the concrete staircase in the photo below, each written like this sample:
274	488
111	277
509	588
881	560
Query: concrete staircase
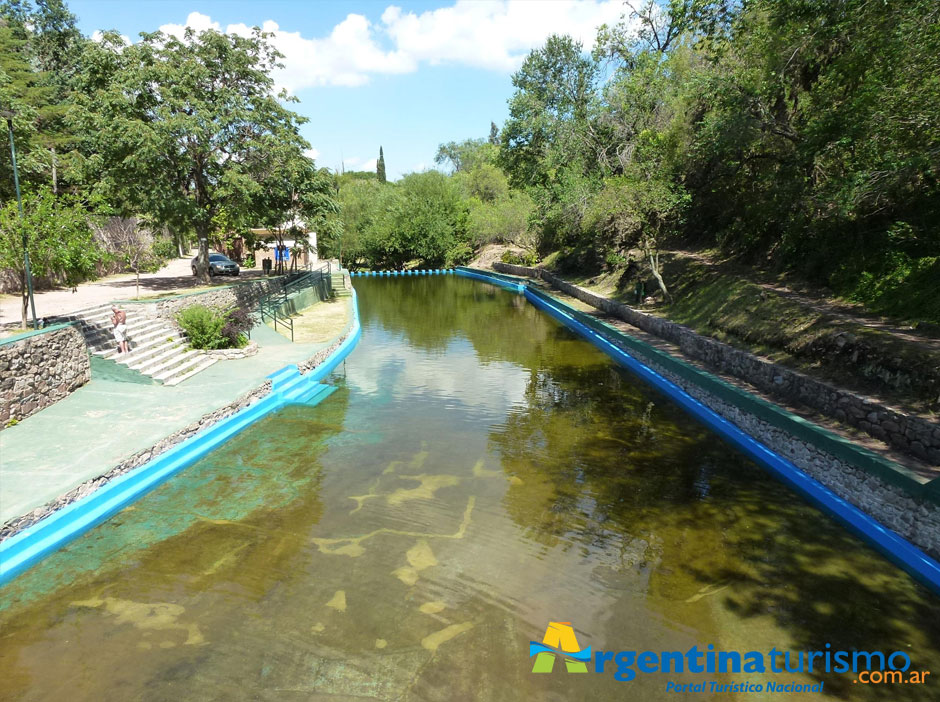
157	348
340	284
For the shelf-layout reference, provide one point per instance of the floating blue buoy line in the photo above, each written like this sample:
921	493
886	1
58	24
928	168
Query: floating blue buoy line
412	271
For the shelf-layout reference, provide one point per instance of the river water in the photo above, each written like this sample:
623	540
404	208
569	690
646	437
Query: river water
479	473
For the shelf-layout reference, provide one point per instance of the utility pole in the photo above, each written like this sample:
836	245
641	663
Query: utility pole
8	115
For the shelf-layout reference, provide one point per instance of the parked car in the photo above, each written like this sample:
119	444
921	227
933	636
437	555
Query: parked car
219	264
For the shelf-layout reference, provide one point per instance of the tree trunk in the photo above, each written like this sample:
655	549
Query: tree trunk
202	258
654	266
55	179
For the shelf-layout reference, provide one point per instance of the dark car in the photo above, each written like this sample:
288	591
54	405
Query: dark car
219	265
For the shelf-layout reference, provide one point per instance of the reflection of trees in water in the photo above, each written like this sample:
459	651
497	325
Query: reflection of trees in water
432	311
604	463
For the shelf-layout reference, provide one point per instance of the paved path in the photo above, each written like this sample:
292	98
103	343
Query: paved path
112	418
175	275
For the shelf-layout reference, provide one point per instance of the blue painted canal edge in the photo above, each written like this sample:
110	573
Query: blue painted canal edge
893	546
23	550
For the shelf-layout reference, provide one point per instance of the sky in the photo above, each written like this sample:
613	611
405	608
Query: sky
406	76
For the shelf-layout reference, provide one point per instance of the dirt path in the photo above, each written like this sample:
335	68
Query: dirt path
175	276
840	311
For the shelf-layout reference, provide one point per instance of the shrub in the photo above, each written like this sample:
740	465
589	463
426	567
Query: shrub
204	327
238	322
526	258
164	248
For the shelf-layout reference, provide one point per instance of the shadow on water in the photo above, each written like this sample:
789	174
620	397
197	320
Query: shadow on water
602	462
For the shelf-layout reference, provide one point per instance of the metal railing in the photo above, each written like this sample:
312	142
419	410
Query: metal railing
269	305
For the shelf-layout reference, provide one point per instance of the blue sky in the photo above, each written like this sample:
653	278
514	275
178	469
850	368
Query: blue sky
404	75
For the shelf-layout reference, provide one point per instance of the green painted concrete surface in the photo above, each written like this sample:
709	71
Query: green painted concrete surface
111	418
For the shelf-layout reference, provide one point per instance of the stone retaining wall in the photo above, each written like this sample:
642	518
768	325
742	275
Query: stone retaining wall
138	459
40	369
915	519
910	434
241	295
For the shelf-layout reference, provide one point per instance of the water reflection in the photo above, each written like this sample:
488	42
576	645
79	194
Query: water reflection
480	472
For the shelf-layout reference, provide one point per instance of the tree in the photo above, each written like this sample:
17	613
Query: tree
182	128
548	125
294	197
58	238
380	166
134	246
466	155
494	134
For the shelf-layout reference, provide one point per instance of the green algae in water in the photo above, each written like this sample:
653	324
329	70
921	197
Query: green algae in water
480	472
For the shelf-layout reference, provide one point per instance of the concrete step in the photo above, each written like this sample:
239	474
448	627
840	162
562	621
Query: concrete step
191	371
101	335
139	342
143	351
167	367
178	366
159	356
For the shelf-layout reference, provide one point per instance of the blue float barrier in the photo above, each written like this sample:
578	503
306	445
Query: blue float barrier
890	544
288	386
506	282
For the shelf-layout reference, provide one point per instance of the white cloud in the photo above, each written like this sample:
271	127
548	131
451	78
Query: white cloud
490	34
98	35
494	35
198	21
312	154
355	163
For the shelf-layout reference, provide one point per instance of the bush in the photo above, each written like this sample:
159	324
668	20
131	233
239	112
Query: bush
526	258
164	248
238	323
209	328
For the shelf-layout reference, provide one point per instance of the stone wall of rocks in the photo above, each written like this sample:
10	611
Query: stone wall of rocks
911	434
39	370
138	459
241	295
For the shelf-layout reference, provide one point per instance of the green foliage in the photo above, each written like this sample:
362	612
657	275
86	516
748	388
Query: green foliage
468	154
206	327
59	240
526	258
803	134
167	142
164	249
504	220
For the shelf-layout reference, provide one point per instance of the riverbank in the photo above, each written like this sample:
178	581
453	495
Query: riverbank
898	493
110	425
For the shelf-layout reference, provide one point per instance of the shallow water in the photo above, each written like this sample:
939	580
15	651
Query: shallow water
480	472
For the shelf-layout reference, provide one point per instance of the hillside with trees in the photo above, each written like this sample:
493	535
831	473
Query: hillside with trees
799	137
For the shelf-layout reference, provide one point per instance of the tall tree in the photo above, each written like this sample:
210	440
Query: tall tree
547	127
380	166
183	127
494	134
